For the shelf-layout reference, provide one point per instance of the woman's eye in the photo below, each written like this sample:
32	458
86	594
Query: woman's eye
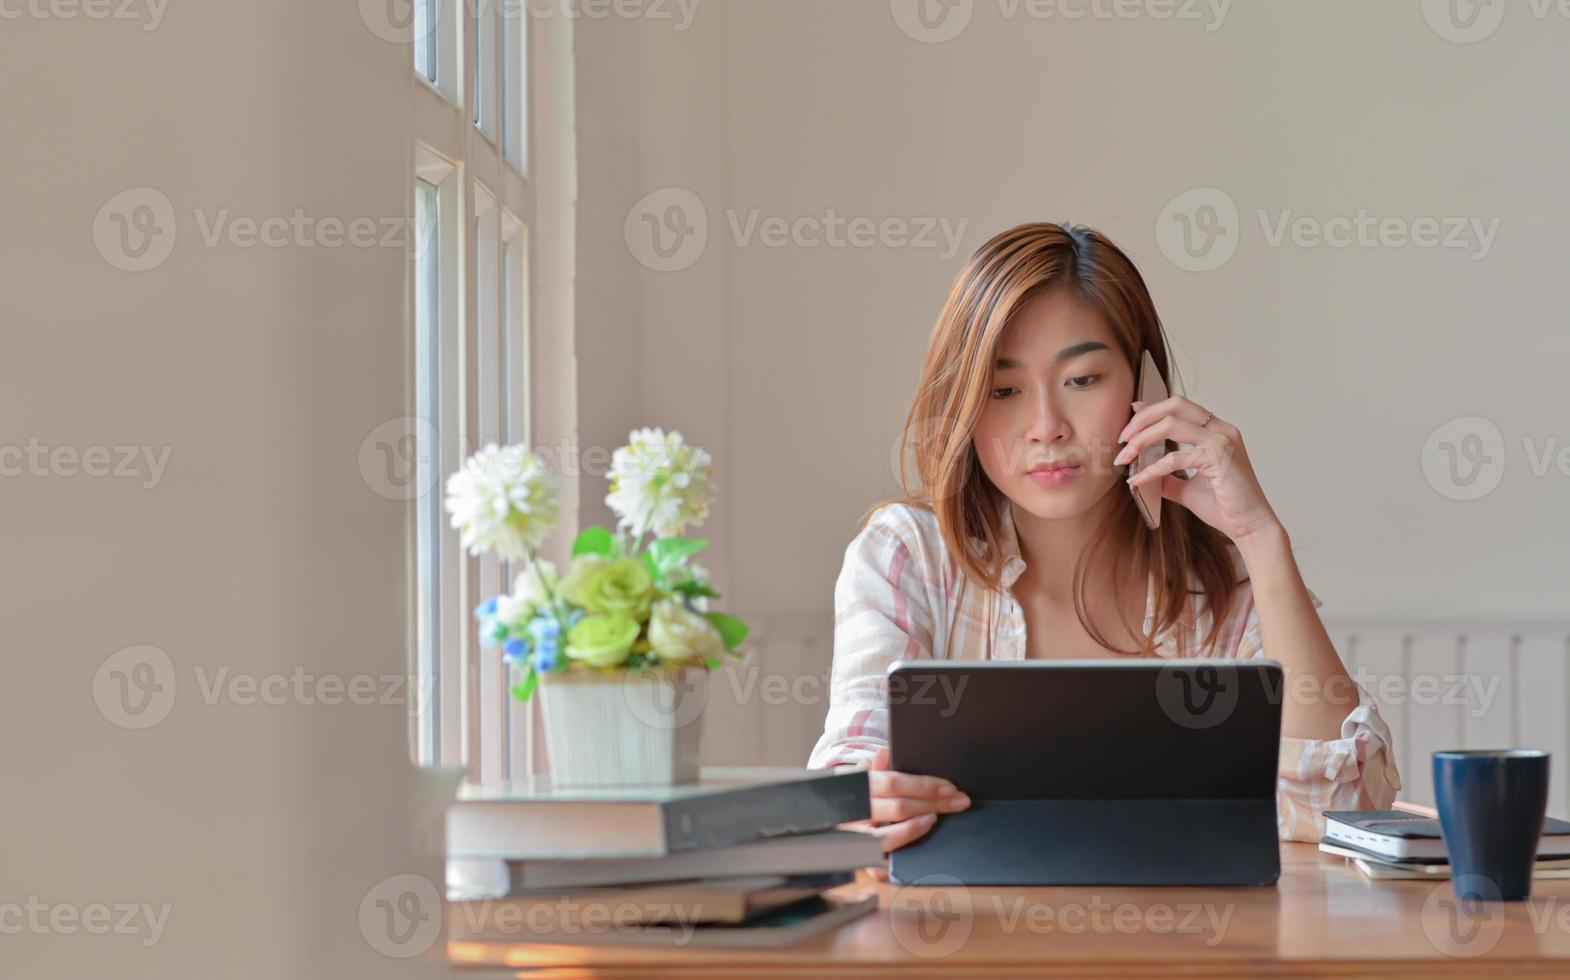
1001	392
1089	380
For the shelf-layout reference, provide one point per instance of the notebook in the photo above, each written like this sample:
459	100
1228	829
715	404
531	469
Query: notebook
1399	834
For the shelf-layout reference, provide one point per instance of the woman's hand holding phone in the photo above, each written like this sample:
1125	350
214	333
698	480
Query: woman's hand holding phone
904	806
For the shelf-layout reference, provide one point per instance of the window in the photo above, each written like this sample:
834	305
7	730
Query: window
514	86
427	372
484	58
469	298
437	27
424	44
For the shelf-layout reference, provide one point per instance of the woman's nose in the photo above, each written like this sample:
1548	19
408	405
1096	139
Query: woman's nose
1047	422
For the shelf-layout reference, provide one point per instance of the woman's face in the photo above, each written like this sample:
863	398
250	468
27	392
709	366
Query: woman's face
1061	392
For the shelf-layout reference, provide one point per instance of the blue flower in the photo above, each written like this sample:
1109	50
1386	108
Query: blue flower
546	656
544	627
486	609
515	649
492	632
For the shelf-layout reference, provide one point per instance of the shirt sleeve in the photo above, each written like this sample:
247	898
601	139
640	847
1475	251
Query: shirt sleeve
1356	771
882	613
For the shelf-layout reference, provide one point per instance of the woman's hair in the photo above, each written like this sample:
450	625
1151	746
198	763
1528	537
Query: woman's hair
1005	274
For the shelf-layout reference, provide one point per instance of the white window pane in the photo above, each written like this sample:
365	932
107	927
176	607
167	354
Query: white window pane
427	370
425	41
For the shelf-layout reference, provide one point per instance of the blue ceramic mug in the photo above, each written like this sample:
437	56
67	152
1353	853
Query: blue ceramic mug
1491	807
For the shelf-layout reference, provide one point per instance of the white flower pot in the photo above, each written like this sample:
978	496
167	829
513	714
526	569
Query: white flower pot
624	727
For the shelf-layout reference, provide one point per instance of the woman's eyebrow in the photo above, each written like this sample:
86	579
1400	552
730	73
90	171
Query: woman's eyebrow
1075	350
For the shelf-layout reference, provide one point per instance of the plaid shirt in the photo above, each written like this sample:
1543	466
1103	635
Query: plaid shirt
896	599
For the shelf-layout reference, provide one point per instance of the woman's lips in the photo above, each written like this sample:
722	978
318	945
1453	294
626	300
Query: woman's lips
1055	477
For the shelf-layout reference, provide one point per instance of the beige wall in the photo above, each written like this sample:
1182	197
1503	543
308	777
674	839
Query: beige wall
259	549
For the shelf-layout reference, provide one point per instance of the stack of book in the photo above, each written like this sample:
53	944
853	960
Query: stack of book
1404	844
743	857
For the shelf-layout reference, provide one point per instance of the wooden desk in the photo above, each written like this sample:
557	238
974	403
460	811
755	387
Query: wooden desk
1323	917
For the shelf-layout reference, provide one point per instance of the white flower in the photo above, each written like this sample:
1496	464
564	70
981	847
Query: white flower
659	483
502	500
526	585
676	634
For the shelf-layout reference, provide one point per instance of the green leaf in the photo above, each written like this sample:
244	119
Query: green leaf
524	690
732	630
713	663
594	540
692	588
654	569
670	552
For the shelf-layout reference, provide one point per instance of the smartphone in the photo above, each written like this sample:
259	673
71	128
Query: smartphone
1152	389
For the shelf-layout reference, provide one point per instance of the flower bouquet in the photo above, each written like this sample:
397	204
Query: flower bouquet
623	641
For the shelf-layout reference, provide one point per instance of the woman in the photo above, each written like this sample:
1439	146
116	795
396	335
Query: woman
1024	541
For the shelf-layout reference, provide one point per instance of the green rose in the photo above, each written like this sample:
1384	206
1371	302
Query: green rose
584	567
677	634
623	587
602	641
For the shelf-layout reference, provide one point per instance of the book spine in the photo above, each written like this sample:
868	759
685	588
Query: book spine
756	812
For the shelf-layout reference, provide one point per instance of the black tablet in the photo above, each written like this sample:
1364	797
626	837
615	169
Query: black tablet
1092	772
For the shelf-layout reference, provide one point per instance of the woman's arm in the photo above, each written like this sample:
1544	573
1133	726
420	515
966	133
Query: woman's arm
1318	694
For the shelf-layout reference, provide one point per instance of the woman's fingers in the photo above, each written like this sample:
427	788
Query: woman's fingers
896	835
888	783
888	809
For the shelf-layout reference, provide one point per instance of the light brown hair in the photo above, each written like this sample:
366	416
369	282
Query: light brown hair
1004	275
